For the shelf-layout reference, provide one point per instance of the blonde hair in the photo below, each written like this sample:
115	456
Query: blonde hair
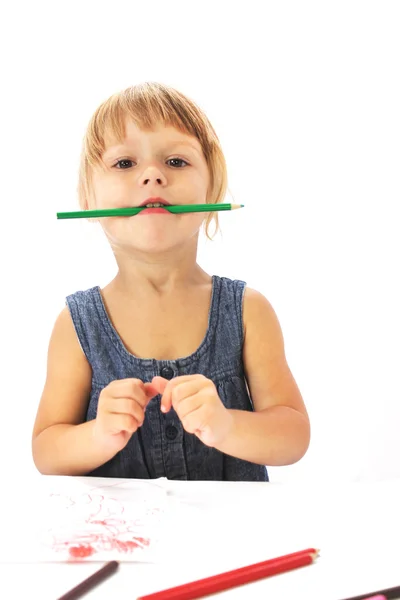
146	104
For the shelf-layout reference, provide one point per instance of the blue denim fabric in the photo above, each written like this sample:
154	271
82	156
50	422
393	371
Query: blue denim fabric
161	447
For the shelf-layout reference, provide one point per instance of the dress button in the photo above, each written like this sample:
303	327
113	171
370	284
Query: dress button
171	432
167	373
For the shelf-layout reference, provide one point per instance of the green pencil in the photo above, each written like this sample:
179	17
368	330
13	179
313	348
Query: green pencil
128	212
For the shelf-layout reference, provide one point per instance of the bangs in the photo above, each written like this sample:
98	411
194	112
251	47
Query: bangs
147	105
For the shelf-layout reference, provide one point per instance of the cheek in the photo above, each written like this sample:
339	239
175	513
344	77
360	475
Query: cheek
200	184
109	193
189	188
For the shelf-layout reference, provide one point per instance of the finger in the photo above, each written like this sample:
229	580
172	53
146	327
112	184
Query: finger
128	388
121	422
125	406
183	392
136	391
159	383
109	402
195	420
189	405
150	391
165	388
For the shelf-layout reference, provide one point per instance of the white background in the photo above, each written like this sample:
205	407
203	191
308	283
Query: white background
305	98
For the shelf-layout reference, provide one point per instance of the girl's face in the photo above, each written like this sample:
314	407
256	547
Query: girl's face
158	163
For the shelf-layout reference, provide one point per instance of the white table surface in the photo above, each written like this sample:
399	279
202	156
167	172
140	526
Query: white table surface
218	526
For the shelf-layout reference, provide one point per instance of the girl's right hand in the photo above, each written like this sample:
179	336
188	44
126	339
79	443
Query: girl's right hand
121	411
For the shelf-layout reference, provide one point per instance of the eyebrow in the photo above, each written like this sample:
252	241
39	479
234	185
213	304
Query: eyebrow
113	149
184	143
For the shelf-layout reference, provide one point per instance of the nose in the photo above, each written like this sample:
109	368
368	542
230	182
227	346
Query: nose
152	175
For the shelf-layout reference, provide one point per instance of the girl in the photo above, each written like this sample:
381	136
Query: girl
167	371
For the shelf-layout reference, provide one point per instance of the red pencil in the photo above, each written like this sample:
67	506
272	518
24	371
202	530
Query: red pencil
224	581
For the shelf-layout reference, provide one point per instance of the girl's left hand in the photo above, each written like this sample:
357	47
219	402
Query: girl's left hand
196	402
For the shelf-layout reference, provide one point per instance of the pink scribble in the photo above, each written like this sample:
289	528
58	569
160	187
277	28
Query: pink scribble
82	551
103	529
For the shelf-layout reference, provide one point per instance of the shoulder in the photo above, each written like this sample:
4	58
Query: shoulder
255	300
83	295
259	316
65	349
64	333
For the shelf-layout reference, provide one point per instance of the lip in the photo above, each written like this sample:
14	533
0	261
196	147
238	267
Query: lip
154	200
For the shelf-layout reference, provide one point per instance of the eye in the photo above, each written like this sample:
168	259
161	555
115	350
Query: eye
177	162
124	163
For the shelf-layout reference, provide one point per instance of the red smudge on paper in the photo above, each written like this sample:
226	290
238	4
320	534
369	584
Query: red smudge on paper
81	551
104	529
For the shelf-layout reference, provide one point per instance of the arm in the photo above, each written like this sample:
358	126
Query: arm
62	443
278	432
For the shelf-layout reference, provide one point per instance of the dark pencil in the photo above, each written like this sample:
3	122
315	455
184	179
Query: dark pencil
89	583
390	593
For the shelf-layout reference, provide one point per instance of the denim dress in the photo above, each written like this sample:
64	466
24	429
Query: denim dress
161	447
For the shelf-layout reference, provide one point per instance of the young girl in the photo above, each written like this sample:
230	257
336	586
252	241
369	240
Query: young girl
167	371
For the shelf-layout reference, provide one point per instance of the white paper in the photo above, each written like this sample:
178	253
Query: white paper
88	519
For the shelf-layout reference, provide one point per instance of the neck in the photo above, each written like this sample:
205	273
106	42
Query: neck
160	274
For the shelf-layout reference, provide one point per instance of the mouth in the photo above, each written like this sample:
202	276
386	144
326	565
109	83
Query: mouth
154	203
154	206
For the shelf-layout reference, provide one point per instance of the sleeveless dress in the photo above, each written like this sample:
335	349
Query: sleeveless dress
161	447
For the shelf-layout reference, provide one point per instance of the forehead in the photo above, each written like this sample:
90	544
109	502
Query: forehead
158	135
